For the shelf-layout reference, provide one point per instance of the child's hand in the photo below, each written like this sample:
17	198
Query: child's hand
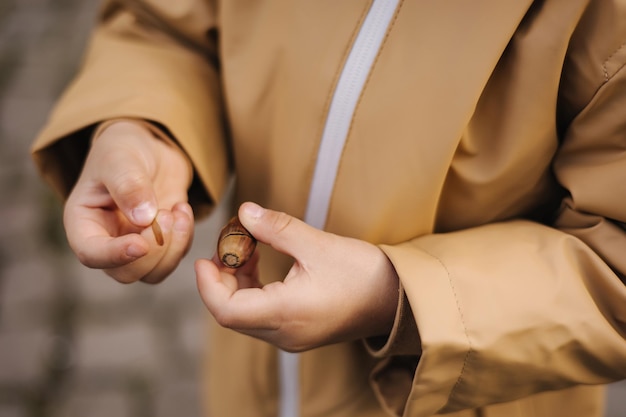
338	288
130	178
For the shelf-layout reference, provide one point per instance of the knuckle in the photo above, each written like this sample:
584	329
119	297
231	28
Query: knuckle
295	345
153	279
292	348
224	318
119	276
82	256
127	184
281	222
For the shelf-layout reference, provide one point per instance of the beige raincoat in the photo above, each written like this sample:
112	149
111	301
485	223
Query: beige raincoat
486	156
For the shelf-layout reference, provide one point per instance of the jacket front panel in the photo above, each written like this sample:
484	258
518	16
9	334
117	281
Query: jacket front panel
280	66
418	162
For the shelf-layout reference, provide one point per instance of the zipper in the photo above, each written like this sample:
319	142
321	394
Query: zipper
340	114
343	104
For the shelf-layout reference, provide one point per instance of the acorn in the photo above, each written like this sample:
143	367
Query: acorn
235	245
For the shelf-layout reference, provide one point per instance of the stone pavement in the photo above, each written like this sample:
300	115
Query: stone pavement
73	343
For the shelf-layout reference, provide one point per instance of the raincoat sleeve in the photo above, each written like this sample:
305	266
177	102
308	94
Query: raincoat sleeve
499	312
154	61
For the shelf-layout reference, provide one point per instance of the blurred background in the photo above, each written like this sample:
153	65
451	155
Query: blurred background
74	343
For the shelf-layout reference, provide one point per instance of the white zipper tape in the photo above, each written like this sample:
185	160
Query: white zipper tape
343	104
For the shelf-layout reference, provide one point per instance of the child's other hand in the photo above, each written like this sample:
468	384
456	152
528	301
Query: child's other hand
130	178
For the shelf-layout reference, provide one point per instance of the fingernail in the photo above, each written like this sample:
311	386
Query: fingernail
252	210
144	213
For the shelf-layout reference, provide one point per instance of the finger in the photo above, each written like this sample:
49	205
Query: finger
103	252
281	231
142	267
239	309
186	208
177	243
128	181
247	275
94	245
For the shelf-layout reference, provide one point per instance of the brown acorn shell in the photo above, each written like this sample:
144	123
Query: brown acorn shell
235	245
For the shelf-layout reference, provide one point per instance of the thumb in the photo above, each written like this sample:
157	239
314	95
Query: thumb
281	231
130	186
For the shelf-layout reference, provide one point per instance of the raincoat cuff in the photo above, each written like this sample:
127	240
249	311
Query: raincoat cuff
404	337
153	128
